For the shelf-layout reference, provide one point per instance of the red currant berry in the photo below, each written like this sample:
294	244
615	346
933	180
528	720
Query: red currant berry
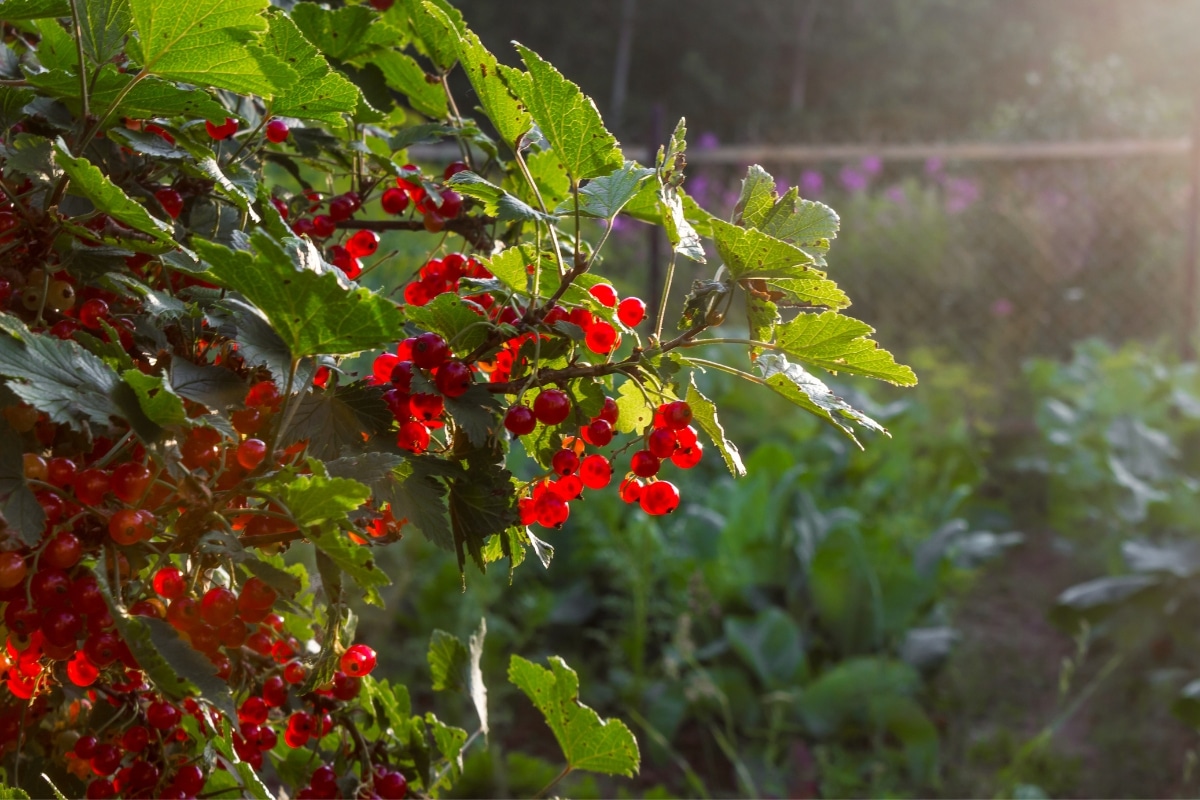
342	208
277	131
394	201
660	497
688	457
552	407
520	420
169	582
453	168
50	588
609	412
130	481
453	379
92	312
219	606
358	660
253	711
429	350
451	205
413	436
631	311
257	594
631	490
426	407
63	551
323	226
604	294
12	569
601	338
551	509
644	464
91	485
224	131
595	471
676	415
662	442
171	202
162	715
251	453
60	472
565	462
363	243
599	433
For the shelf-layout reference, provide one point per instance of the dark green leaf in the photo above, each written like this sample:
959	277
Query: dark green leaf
347	34
321	93
19	509
12	100
212	387
604	197
103	26
151	97
457	322
482	502
448	662
334	420
416	494
56	376
356	561
13	10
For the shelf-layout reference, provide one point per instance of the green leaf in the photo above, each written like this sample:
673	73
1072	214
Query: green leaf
286	583
749	253
634	414
604	197
418	496
211	386
19	508
840	344
103	26
482	502
158	400
206	43
12	792
347	34
588	742
12	100
811	291
810	393
507	115
457	322
187	663
761	317
448	662
56	376
30	155
802	222
57	49
510	267
567	118
356	561
247	780
496	201
549	176
757	197
314	500
404	74
151	97
309	304
437	26
848	694
13	10
87	180
368	468
771	645
334	420
704	413
320	93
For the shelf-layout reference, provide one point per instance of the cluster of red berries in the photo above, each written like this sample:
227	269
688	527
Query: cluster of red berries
548	500
418	413
444	274
436	204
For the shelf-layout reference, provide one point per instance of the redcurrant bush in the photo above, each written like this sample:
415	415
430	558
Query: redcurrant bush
223	391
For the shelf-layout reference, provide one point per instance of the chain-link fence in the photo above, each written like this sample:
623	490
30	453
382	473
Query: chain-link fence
993	253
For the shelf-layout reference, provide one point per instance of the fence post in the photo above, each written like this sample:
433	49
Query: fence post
1191	262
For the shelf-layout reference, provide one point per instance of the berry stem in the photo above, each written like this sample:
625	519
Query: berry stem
77	33
666	294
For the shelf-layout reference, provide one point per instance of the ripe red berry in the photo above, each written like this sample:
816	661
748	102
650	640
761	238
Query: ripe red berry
323	226
565	462
342	208
609	412
257	594
520	420
219	606
171	202
662	442
162	715
358	660
631	490
429	350
129	526
660	497
631	311
277	131
601	338
413	436
60	472
688	457
91	485
595	471
251	452
92	311
63	551
598	433
453	168
551	509
394	201
453	379
451	205
676	415
552	407
130	481
644	464
363	243
219	132
169	582
604	294
12	569
426	407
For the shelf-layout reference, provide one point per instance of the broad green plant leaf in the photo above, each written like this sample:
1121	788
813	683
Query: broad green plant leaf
151	97
448	659
13	10
12	100
348	33
509	117
56	376
481	503
840	344
749	253
313	311
604	197
587	741
567	118
404	74
315	500
810	393
757	197
88	181
810	291
448	315
704	413
356	561
334	421
19	508
496	201
103	26
156	397
208	43
438	26
321	93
